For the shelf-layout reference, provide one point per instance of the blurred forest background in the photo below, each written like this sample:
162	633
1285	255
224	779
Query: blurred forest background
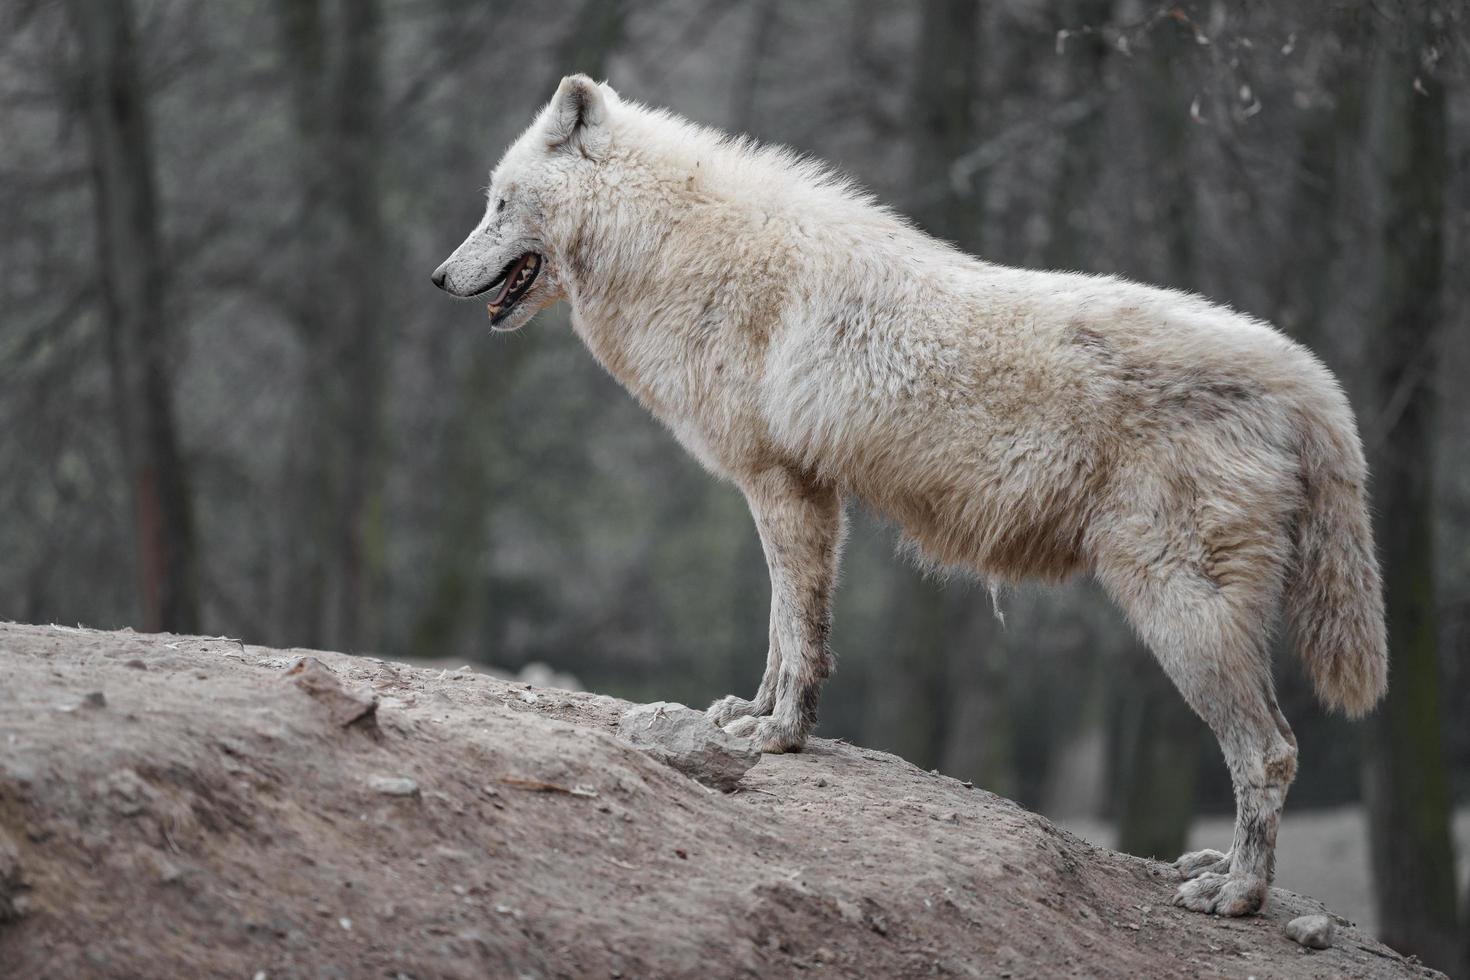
231	401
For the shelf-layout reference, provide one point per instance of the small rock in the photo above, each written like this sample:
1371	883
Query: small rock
136	664
94	699
1312	931
540	675
168	873
344	706
393	785
689	742
129	793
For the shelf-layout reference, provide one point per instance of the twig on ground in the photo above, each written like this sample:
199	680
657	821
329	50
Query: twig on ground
539	786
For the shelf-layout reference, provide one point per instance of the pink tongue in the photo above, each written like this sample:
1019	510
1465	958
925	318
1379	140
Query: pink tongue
510	279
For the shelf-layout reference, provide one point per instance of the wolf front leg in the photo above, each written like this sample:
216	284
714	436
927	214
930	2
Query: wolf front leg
801	525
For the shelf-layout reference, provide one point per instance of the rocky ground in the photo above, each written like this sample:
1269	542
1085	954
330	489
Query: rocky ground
184	806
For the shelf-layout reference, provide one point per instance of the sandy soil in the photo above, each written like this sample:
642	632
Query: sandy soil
179	806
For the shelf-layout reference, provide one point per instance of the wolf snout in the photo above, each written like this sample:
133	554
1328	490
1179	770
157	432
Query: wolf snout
439	276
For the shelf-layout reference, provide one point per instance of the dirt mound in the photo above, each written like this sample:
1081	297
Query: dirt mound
182	806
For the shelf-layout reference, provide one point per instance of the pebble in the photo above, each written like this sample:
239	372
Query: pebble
167	871
393	785
1312	931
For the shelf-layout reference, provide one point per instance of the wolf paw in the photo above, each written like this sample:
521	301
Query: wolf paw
729	708
1196	863
1221	894
767	733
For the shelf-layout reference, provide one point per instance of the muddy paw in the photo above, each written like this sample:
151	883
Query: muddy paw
767	733
729	708
1196	863
1222	894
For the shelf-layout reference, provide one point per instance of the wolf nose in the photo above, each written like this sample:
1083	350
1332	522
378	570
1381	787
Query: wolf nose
438	277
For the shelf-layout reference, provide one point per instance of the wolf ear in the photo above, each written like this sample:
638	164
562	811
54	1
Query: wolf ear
578	118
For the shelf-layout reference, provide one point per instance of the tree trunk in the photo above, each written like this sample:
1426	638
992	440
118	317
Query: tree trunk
130	257
944	123
944	127
362	350
1465	935
597	29
1155	765
460	608
1157	736
1086	54
743	93
1405	779
1309	273
976	701
332	59
913	702
1071	245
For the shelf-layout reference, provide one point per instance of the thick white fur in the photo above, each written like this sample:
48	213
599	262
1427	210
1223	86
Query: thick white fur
811	345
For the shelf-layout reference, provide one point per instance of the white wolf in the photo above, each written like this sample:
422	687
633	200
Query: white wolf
809	345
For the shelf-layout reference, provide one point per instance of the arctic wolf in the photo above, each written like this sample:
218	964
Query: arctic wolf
810	345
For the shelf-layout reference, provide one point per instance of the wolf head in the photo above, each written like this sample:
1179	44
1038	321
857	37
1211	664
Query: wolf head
506	260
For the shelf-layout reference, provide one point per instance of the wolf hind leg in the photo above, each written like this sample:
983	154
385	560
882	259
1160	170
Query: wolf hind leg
1211	641
1261	757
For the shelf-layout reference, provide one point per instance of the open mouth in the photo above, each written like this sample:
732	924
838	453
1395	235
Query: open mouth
511	287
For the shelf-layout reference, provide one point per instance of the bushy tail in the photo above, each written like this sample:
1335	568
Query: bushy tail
1335	595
